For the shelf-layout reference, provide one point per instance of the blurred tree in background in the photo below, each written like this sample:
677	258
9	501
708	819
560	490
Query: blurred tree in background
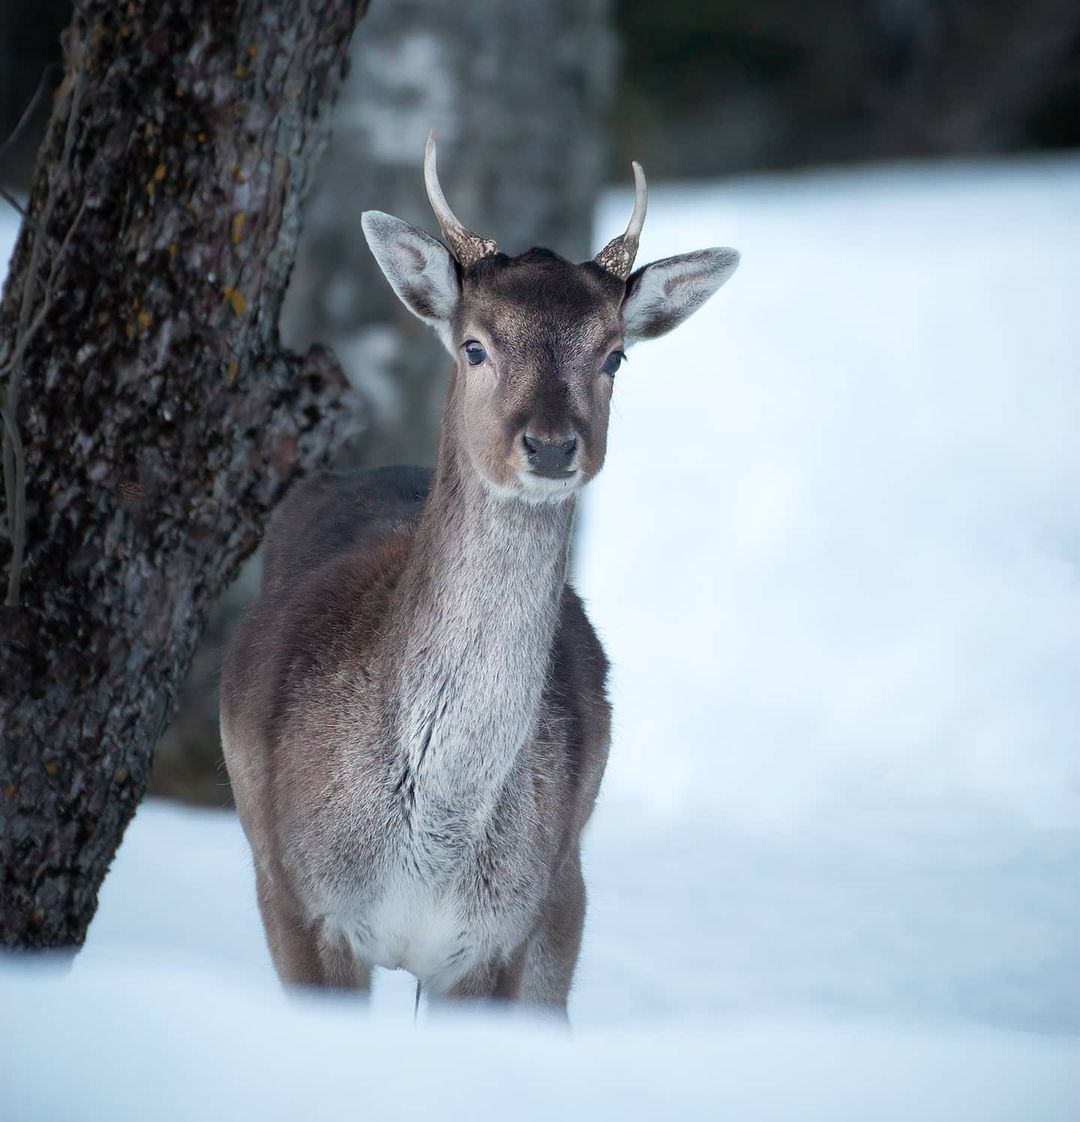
521	150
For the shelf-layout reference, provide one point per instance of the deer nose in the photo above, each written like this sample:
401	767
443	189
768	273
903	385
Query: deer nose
549	457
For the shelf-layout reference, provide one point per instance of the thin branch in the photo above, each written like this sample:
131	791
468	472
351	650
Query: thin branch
17	131
14	460
28	112
16	527
13	202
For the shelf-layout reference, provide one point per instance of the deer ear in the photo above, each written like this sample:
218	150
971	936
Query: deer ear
420	269
661	295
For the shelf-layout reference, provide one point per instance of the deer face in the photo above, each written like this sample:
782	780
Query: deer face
537	342
536	339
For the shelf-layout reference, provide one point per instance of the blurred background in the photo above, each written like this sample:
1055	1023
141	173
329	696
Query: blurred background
541	104
843	613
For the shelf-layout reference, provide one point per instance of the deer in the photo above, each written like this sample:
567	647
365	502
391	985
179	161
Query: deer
414	710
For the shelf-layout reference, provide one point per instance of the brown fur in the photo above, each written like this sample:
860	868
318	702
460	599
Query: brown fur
414	712
334	560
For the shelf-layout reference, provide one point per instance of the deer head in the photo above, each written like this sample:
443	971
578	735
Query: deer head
536	339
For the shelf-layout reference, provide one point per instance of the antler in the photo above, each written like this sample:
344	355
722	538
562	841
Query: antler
466	246
617	257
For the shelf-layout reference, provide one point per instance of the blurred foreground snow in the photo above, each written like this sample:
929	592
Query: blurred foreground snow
723	977
833	873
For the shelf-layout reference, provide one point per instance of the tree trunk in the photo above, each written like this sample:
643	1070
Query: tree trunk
521	155
160	418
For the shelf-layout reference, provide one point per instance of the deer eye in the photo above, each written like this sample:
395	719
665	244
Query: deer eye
612	363
474	353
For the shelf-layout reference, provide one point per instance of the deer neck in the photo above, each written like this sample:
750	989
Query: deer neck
470	636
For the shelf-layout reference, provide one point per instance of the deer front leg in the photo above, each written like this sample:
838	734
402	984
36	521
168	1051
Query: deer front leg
492	982
302	952
552	953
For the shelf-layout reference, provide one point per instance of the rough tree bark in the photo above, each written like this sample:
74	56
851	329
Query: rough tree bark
517	93
160	417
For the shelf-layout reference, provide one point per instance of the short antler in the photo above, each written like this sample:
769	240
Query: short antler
617	257
466	246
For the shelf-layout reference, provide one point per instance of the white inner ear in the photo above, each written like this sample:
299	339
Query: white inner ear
670	291
419	268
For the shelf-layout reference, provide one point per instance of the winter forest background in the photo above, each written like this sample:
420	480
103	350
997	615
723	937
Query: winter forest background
833	870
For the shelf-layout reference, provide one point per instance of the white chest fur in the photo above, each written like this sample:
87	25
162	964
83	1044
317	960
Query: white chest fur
467	646
412	924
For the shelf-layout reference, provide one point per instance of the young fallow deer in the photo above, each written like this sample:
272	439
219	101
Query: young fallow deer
414	711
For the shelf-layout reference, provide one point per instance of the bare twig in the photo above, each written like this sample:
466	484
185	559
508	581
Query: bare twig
10	199
15	525
28	112
16	521
14	460
17	131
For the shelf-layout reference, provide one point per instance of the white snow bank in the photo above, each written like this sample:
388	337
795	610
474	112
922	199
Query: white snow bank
722	977
694	920
174	1045
9	231
834	551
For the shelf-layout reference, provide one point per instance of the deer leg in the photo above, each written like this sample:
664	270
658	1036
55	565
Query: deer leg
492	982
302	953
552	953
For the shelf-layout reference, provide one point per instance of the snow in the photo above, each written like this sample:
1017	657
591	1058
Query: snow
722	976
832	874
835	551
9	229
174	1049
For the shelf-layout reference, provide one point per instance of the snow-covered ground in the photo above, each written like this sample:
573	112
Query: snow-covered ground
833	874
724	976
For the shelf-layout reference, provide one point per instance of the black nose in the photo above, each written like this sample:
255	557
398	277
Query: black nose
549	457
